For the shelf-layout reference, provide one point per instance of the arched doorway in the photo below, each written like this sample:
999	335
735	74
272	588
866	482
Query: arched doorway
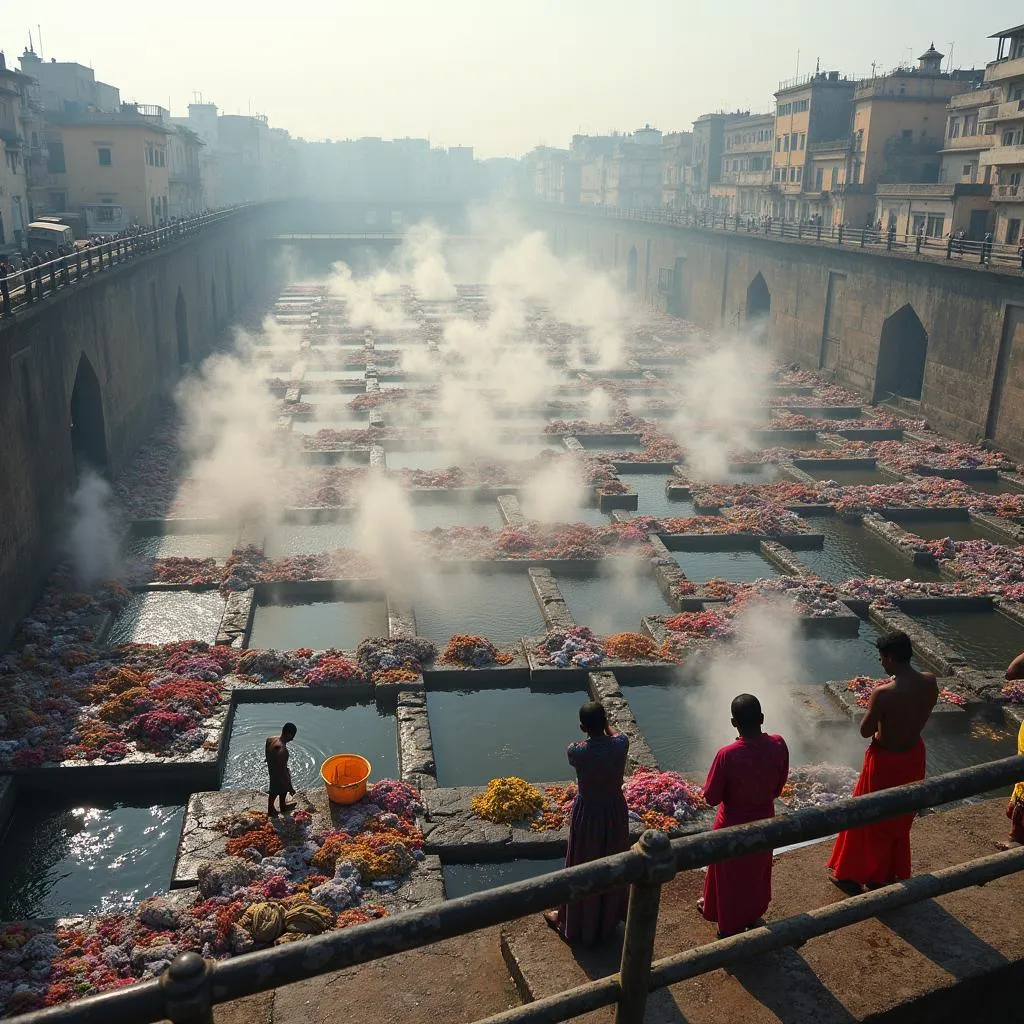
181	328
632	260
759	307
88	433
902	354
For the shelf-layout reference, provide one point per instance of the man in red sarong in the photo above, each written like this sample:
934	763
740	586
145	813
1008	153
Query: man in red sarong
744	781
875	855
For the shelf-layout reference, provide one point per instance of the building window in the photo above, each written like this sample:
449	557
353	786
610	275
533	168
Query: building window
954	127
58	201
935	225
55	158
785	143
1012	230
1008	138
103	154
778	144
971	124
792	141
799	174
819	179
803	139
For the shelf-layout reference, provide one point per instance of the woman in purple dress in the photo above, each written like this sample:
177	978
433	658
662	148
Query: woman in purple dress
598	827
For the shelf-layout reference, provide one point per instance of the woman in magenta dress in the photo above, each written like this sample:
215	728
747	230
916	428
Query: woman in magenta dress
745	779
598	826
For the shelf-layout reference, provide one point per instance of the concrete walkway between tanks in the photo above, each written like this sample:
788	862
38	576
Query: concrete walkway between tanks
960	957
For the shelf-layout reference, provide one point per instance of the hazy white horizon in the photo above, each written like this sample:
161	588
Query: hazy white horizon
502	81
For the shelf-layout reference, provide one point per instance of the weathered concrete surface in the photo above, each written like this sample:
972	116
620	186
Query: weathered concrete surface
415	746
973	316
124	322
953	959
459	980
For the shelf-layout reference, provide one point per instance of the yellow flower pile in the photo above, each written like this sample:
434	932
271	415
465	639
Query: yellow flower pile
507	800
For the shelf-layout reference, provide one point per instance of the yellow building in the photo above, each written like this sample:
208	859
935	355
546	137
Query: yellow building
746	171
106	163
808	110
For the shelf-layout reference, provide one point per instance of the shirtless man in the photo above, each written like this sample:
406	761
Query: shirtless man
1015	808
277	769
875	855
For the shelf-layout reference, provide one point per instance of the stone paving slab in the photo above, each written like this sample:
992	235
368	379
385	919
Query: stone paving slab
952	959
457	835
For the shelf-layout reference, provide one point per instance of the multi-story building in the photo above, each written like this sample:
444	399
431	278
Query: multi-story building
202	120
69	88
184	174
967	137
809	110
21	154
1003	162
676	169
746	172
620	171
551	175
706	166
110	167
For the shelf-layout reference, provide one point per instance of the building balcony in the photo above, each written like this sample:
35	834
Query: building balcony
963	143
837	146
1008	193
896	145
1012	110
1002	156
754	178
1003	70
973	98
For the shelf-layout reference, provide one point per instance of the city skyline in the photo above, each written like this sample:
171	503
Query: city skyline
451	76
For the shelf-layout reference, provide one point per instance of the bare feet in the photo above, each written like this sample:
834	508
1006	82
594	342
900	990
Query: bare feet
551	917
1007	844
700	905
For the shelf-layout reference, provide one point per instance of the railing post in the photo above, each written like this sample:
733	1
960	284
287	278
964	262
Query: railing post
641	924
188	988
949	246
917	245
863	236
840	234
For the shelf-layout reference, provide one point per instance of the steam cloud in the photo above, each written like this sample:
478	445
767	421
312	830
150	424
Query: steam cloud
94	536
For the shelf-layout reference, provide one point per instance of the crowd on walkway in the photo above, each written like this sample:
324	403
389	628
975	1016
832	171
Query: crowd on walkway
745	779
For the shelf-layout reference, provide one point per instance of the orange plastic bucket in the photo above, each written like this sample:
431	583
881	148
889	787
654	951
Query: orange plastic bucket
345	777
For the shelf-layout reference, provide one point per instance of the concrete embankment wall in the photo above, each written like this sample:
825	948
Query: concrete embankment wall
831	306
125	336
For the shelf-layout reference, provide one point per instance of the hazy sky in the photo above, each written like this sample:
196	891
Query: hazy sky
502	78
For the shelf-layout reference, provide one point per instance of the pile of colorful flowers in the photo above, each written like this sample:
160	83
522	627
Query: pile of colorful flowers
782	492
815	785
1012	693
575	646
630	647
508	800
332	668
558	801
863	686
810	598
662	800
381	657
912	455
885	592
700	626
996	566
328	439
472	651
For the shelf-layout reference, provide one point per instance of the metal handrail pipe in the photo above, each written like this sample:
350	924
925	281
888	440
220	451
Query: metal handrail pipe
790	931
853	812
283	965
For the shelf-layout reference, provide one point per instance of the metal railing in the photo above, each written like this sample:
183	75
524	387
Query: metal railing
1005	256
191	986
30	284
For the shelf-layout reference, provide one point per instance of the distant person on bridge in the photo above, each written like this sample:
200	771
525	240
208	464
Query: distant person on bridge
598	826
277	768
1015	808
876	855
745	779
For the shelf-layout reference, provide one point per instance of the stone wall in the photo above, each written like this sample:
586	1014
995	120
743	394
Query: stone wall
829	306
132	330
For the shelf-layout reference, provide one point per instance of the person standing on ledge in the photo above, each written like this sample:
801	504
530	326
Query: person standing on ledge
277	768
745	779
598	826
1015	808
876	855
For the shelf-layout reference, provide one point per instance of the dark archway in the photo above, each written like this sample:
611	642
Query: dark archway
181	328
631	269
902	354
759	308
88	433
